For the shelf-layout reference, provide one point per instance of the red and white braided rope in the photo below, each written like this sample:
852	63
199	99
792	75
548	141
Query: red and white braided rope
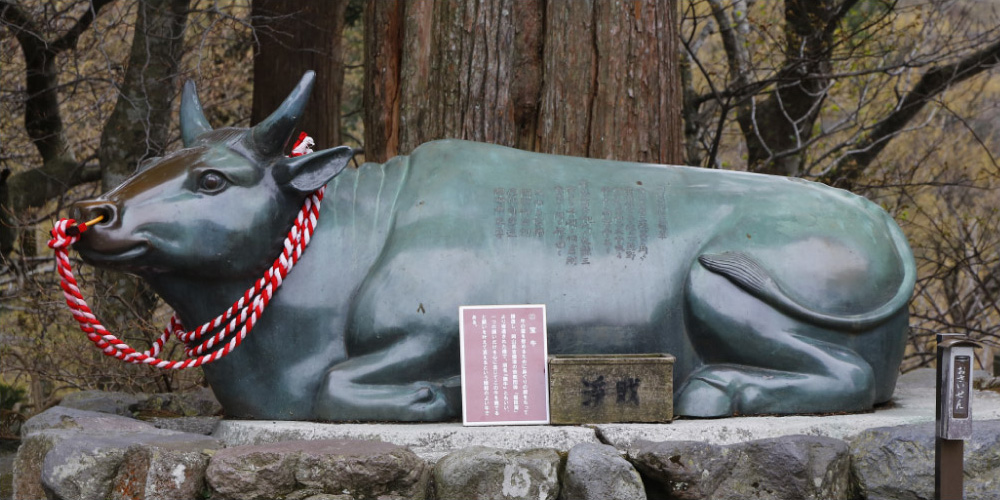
242	315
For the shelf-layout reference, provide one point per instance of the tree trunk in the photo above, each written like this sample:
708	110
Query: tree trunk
7	235
140	122
296	37
383	46
586	78
138	128
778	127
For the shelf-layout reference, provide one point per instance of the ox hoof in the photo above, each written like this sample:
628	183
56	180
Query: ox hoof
424	395
703	399
430	403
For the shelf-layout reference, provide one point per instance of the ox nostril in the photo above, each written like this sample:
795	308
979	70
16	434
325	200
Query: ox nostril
105	213
88	211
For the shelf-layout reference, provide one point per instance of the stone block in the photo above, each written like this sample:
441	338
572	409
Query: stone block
898	462
489	473
304	469
200	402
429	441
194	425
83	466
598	472
28	463
163	471
41	433
67	418
6	474
801	467
115	403
611	388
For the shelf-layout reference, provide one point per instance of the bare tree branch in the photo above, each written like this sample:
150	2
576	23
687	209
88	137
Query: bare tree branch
777	128
935	81
42	119
33	188
68	41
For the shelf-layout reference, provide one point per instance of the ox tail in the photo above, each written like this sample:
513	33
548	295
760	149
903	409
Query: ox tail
748	274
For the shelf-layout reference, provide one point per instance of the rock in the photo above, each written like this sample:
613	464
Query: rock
688	470
194	425
197	403
41	433
163	471
484	473
898	462
806	467
304	469
7	474
66	418
430	441
598	472
28	464
983	381
71	453
115	403
82	466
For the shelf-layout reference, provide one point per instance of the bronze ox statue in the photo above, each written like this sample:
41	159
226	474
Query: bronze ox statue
775	295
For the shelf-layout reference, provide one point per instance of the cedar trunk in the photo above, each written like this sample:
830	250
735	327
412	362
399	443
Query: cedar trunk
591	78
295	37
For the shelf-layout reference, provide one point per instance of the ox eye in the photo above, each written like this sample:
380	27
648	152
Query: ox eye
211	182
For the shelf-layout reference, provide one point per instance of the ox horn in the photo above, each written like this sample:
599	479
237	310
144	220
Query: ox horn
193	121
271	136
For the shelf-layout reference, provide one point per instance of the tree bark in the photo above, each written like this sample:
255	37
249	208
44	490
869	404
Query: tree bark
586	78
777	128
7	233
383	48
138	128
139	124
295	37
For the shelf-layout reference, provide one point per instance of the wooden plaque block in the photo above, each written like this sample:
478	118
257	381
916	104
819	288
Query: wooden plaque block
593	389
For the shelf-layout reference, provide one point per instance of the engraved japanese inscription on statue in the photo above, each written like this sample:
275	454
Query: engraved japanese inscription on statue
578	221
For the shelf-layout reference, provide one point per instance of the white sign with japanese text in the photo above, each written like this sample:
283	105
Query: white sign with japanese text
504	365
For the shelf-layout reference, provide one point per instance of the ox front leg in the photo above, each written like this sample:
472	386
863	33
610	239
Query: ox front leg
760	361
403	382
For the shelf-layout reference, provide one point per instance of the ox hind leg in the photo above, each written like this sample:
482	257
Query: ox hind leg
760	361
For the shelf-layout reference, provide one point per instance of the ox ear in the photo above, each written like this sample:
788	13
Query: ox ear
193	121
312	171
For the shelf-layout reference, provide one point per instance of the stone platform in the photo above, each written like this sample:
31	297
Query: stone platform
912	403
883	455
